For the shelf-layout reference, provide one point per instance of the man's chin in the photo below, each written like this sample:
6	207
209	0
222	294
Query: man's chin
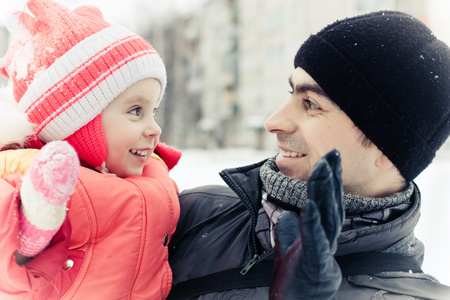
290	167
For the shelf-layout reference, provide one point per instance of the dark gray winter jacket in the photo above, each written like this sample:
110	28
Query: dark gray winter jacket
216	232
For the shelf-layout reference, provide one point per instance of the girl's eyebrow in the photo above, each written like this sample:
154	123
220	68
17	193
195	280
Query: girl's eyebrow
134	100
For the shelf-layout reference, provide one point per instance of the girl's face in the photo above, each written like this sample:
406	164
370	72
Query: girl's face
130	129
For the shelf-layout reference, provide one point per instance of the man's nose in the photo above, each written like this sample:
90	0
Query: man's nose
281	120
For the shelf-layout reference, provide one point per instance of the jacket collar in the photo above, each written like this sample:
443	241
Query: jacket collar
245	181
391	224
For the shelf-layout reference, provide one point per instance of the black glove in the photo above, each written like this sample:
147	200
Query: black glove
305	267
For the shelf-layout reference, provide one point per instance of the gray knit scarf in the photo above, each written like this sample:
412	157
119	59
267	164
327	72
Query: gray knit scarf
290	193
281	192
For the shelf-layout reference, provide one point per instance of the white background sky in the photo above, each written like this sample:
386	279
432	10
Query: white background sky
132	13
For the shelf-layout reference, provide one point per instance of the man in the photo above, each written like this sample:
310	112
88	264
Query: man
377	88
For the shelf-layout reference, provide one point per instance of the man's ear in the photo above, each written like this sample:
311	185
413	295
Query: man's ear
389	174
383	162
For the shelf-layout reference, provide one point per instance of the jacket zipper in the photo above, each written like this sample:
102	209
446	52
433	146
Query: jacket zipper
256	258
250	264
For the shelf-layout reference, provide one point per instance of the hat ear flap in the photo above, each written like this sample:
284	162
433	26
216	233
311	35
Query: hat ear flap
20	24
89	11
48	12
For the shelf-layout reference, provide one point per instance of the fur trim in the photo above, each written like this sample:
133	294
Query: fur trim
14	126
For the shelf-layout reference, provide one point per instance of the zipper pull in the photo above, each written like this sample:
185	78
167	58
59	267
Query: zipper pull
250	264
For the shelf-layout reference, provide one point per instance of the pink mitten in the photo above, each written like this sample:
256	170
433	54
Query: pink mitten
45	190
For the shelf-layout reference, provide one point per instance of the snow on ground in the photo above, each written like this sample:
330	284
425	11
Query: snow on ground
200	167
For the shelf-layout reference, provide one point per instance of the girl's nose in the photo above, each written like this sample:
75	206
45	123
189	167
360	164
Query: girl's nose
152	129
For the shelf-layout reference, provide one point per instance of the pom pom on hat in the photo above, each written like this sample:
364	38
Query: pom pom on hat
67	66
391	76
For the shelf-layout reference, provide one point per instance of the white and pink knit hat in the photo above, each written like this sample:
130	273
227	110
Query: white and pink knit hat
67	66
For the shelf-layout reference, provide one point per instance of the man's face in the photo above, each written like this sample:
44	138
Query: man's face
309	125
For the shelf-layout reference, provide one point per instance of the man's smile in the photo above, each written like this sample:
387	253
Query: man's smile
292	154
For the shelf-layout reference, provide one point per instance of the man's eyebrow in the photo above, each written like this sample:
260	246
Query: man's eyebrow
307	87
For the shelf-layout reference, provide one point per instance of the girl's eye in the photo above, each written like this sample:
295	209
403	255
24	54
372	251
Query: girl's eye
155	110
310	105
291	92
135	110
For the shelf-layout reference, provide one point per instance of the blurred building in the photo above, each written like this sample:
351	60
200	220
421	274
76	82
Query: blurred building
228	64
200	52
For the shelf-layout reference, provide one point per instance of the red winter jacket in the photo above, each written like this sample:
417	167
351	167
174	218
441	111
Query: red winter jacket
113	244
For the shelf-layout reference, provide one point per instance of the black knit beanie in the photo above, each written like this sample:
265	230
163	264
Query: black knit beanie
391	76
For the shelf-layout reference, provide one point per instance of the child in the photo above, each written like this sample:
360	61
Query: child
90	90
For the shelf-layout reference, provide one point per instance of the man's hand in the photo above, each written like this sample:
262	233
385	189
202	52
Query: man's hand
305	267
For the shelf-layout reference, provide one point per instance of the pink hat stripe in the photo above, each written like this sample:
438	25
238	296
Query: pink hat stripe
80	81
45	119
81	53
76	112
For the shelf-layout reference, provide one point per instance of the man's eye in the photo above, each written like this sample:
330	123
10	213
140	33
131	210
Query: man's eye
310	105
135	110
155	110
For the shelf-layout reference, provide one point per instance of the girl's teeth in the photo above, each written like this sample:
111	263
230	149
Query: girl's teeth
139	152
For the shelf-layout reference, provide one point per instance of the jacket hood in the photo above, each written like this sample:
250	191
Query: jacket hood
402	221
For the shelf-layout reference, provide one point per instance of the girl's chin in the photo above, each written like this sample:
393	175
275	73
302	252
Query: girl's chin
127	172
